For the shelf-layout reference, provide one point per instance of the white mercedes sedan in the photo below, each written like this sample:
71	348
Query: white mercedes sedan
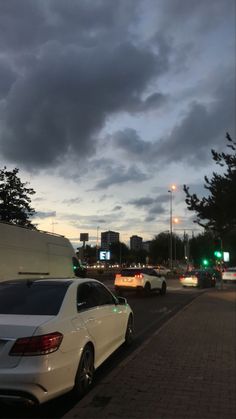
55	333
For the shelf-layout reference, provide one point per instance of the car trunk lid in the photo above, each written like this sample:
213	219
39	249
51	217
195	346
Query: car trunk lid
13	327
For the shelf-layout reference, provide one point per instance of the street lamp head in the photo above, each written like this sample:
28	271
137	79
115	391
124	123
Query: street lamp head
176	220
173	187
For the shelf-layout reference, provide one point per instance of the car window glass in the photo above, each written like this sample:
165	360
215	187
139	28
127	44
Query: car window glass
32	297
87	297
103	295
130	272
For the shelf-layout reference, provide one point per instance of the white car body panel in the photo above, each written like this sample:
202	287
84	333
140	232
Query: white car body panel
155	281
189	281
229	274
47	376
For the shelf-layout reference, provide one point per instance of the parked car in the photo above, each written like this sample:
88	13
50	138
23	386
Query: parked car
140	279
55	333
229	275
160	269
197	278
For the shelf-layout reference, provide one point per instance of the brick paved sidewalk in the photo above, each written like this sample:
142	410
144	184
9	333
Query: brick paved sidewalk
186	370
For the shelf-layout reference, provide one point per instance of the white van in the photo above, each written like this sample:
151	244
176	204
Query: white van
26	253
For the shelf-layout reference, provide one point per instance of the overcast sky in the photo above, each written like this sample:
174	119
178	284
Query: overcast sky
106	103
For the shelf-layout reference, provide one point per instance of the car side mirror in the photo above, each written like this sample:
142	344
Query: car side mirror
121	300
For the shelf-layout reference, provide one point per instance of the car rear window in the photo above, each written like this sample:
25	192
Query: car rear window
130	272
231	270
32	297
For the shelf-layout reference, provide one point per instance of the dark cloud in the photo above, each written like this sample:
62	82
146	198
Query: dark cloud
68	67
199	15
153	206
121	175
83	22
201	128
60	104
72	201
77	65
117	208
7	77
147	201
45	214
142	202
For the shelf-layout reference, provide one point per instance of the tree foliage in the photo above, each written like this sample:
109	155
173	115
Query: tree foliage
216	212
15	199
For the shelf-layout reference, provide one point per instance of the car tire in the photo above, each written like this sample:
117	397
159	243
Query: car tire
163	289
85	373
129	335
147	289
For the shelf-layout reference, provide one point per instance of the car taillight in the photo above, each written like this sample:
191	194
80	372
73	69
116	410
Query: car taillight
37	345
118	275
138	276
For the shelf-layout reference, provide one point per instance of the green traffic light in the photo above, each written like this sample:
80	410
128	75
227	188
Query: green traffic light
218	254
205	262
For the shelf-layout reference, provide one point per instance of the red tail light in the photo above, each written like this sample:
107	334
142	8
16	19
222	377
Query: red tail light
118	275
37	345
138	276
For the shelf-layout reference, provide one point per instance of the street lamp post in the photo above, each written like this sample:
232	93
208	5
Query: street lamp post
97	245
173	188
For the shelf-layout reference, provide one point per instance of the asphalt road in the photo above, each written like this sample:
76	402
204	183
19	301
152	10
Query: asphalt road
150	313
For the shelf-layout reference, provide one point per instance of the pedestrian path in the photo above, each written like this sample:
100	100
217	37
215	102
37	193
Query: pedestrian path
187	369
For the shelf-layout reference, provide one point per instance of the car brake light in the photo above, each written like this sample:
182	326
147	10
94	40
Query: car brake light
118	275
37	345
138	276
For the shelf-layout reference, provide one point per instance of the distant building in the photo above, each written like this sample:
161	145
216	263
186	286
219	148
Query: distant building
109	237
146	245
136	243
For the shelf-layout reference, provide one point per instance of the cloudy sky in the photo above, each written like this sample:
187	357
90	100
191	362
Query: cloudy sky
106	103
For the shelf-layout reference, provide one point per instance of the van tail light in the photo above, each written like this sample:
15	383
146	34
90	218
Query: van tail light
138	276
118	275
37	345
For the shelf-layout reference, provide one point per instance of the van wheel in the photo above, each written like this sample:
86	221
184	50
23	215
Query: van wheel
163	289
85	373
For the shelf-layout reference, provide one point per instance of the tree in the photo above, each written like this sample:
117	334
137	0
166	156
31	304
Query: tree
216	212
15	199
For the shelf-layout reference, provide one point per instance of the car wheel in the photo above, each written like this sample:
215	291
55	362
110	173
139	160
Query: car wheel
163	289
129	335
147	289
85	373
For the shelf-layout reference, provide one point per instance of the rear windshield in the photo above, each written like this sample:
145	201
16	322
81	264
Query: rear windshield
130	272
32	298
190	273
231	270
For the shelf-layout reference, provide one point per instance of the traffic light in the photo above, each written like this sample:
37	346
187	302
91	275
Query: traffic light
205	262
218	254
218	248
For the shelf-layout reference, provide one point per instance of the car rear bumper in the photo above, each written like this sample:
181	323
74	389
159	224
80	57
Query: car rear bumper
37	382
19	397
128	287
